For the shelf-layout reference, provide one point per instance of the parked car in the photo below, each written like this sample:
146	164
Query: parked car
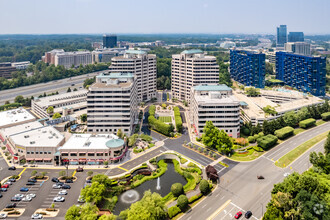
25	165
32	195
248	214
5	186
19	195
59	199
55	186
60	184
12	168
32	180
27	199
0	195
9	183
30	183
79	169
3	189
24	189
68	181
37	216
63	192
12	180
33	165
15	199
55	180
238	215
66	187
3	215
11	205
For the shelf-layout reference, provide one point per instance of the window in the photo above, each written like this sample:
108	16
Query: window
49	152
82	154
73	154
32	152
106	154
91	154
45	152
40	152
37	152
27	152
65	154
99	154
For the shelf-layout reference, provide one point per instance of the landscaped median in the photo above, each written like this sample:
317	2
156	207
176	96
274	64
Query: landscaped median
288	158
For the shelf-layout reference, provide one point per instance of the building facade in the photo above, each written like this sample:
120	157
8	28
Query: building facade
191	68
248	67
112	103
142	65
6	69
216	103
104	55
281	36
296	37
298	48
69	59
305	73
109	41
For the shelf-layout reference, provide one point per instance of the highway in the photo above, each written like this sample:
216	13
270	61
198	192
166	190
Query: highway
37	89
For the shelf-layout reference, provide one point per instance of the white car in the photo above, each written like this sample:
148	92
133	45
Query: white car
63	192
32	195
9	183
286	174
55	186
19	195
37	216
3	215
58	199
27	199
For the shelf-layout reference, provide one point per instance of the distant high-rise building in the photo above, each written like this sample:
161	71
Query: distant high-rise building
298	48
305	73
281	37
109	41
248	67
191	68
296	37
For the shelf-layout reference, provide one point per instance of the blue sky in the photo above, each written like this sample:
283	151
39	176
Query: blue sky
163	16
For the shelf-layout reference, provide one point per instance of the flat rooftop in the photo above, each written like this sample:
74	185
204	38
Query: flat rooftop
45	136
207	87
92	142
20	128
19	115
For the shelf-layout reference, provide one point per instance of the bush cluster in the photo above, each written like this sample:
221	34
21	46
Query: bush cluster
267	141
195	197
157	124
182	202
326	116
307	123
284	132
173	211
177	189
178	120
204	187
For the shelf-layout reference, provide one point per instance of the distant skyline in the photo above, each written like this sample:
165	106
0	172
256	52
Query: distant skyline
157	17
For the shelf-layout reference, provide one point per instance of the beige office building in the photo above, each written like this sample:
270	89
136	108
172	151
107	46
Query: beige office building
69	59
216	103
112	103
191	68
141	64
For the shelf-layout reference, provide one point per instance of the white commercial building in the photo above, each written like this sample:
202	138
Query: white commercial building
191	68
228	44
65	104
21	65
216	103
105	55
69	59
112	103
15	117
92	149
141	64
302	48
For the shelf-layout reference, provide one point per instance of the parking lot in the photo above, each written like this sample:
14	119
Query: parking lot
230	211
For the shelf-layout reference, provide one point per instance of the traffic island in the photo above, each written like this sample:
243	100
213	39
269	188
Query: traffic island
13	212
64	178
47	213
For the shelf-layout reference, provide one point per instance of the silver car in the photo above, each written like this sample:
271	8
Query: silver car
58	199
37	216
27	199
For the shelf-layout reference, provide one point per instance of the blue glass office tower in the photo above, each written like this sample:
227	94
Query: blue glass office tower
305	73
281	37
296	37
248	67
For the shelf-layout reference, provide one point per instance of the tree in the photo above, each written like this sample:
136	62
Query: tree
151	206
7	102
120	133
327	145
57	115
50	110
177	189
83	117
182	202
108	217
93	193
75	89
84	212
102	179
69	90
290	119
90	173
253	92
73	213
204	187
19	99
303	114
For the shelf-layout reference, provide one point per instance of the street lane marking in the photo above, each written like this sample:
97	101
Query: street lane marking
122	168
74	173
22	172
219	210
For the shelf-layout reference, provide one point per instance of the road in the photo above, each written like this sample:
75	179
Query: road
49	87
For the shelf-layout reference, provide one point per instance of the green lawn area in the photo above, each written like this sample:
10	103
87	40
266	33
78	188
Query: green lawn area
295	153
251	155
165	119
320	122
298	130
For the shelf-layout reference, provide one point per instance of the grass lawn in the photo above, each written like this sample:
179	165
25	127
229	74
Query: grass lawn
298	130
320	122
251	155
288	158
165	119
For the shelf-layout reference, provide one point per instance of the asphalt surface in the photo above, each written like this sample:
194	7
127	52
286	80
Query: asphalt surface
38	89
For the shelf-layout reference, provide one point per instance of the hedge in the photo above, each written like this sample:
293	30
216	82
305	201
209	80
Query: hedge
157	124
267	141
307	123
173	211
178	119
251	139
284	132
326	116
194	198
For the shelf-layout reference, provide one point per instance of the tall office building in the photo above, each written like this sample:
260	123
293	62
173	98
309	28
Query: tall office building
296	37
305	73
191	68
298	48
112	103
216	103
281	37
248	67
109	41
141	64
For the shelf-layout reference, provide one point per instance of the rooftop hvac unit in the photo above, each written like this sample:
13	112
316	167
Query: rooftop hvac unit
32	142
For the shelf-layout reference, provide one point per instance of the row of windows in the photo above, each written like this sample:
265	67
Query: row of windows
219	116
105	130
109	106
222	121
123	91
103	111
122	101
38	152
106	126
96	121
83	154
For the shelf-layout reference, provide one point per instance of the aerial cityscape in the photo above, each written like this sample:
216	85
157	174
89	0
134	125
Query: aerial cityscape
159	110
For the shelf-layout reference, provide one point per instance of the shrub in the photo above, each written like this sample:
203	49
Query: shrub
246	131
326	116
284	132
251	139
178	119
204	187
177	189
241	141
267	141
195	197
157	124
256	136
173	211
14	177
183	160
260	134
198	139
8	209
14	213
182	202
258	149
200	149
307	123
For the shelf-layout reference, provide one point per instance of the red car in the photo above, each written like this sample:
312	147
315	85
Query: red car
238	215
79	169
5	186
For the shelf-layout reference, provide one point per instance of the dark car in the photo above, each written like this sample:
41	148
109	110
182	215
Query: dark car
12	205
12	168
68	181
3	189
59	183
12	180
79	169
30	183
24	189
32	180
66	186
248	214
0	195
15	199
55	180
